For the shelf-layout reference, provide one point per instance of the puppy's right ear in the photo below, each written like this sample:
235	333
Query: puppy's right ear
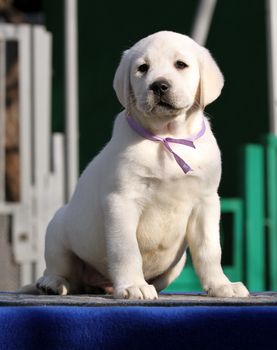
121	82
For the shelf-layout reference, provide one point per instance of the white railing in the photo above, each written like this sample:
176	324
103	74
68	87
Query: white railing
41	153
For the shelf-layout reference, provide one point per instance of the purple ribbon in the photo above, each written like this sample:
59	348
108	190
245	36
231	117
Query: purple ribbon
165	141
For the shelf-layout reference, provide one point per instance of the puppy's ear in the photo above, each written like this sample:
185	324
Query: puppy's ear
211	78
121	82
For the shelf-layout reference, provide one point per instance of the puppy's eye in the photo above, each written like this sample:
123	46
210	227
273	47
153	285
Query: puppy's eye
180	65
143	68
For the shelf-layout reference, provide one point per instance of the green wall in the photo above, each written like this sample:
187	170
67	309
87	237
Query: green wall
240	115
237	41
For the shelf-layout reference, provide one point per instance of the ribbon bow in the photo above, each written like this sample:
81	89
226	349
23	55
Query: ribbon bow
166	140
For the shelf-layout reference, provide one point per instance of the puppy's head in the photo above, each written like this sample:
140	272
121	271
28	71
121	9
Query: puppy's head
165	74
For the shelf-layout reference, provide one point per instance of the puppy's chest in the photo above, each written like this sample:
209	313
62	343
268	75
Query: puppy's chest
169	194
161	224
161	162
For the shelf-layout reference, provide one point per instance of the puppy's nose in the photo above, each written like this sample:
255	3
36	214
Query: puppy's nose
160	87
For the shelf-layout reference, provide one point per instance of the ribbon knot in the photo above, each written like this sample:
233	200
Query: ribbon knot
166	140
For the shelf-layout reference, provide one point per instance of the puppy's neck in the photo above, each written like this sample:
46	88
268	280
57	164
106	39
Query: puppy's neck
181	126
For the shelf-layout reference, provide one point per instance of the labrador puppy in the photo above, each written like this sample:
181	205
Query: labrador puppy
152	191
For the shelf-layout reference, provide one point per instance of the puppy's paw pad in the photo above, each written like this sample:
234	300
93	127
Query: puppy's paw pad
52	284
146	292
230	290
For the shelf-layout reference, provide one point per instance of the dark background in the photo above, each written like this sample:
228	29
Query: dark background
236	39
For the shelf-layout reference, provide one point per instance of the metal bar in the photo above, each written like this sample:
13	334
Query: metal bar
71	96
254	213
271	7
24	52
2	117
203	20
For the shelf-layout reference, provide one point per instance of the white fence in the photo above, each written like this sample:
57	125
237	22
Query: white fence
39	153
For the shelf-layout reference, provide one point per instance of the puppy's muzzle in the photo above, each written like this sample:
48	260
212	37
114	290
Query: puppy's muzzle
160	87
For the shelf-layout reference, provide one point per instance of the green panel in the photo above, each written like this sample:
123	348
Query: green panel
235	206
254	217
271	161
188	281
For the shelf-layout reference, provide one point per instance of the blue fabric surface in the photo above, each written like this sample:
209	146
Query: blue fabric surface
117	328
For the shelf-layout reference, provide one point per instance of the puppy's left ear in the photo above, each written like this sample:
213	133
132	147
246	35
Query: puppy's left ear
121	82
211	78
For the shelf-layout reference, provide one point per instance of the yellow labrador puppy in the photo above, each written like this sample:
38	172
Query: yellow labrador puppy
152	191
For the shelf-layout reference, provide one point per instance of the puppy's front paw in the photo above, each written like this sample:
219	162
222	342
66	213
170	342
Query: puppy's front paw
145	291
52	284
230	290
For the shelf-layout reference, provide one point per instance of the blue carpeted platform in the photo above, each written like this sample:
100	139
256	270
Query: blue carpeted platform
138	327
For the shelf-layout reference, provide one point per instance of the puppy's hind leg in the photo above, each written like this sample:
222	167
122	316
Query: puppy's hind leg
63	268
53	284
62	274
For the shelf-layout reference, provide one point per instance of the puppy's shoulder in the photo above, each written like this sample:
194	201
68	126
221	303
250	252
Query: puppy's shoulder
120	127
125	140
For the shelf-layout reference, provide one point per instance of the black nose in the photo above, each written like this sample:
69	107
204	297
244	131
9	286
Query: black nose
160	87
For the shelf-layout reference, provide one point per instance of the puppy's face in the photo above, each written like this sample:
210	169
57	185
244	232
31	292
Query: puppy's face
166	73
164	78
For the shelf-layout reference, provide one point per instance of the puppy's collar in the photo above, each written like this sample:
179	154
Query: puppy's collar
166	140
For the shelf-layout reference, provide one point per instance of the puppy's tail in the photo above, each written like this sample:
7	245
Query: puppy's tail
28	289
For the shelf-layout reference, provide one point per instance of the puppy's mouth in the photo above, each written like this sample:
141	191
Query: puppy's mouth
160	106
165	105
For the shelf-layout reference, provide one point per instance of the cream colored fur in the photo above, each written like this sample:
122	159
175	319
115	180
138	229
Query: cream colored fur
134	211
